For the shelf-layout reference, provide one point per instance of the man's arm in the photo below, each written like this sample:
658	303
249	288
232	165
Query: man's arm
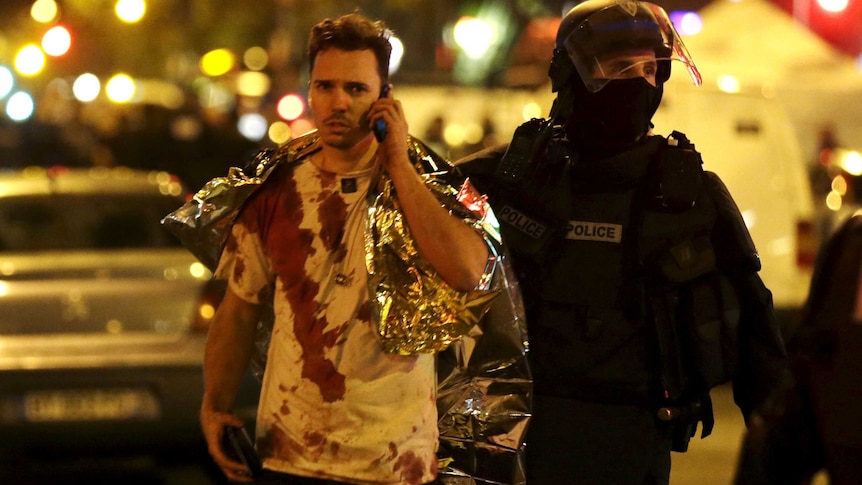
230	343
455	250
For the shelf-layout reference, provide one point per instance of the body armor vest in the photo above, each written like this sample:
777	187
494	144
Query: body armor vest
612	255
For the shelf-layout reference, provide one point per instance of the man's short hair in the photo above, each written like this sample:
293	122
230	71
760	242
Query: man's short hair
352	32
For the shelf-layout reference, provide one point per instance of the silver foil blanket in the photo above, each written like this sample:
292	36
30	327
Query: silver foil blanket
484	382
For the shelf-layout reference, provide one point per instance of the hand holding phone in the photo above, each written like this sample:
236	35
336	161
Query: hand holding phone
379	127
238	446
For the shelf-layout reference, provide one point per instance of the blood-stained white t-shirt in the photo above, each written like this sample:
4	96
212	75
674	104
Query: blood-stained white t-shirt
333	404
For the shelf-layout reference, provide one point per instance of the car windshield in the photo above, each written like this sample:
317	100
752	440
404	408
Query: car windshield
60	222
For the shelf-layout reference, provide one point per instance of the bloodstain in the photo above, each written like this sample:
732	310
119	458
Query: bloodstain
289	247
332	214
364	312
411	466
278	445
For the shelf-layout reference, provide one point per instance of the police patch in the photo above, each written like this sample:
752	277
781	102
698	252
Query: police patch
522	222
594	231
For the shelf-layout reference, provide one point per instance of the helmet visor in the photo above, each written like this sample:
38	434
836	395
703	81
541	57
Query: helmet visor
628	39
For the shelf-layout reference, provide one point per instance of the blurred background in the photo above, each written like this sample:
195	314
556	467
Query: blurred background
192	87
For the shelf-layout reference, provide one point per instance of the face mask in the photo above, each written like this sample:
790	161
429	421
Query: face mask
615	117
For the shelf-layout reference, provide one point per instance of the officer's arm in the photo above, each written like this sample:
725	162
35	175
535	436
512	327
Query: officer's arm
762	364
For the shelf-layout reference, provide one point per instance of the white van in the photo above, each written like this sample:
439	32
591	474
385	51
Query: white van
746	139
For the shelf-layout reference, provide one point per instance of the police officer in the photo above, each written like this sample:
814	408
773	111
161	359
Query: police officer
639	276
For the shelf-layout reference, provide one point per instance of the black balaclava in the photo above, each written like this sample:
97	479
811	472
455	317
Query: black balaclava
614	118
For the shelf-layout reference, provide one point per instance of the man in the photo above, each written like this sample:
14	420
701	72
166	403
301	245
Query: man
639	277
334	407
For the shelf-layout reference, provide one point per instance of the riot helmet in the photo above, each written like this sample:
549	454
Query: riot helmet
594	32
610	63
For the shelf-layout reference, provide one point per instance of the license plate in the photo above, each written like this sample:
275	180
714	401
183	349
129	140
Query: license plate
90	405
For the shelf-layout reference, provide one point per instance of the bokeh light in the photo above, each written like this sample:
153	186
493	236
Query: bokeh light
290	107
217	62
30	60
253	126
686	23
44	11
255	58
530	111
86	87
7	81
834	6
728	84
130	11
252	83
474	36
397	53
120	88
56	41
20	106
279	132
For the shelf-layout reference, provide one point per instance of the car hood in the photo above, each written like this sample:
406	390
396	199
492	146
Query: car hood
95	309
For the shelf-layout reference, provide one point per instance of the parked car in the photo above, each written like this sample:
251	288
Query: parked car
103	315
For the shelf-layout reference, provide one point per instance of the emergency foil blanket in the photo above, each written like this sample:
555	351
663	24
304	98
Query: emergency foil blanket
484	382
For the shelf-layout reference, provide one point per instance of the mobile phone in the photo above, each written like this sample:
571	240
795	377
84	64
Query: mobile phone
379	127
238	446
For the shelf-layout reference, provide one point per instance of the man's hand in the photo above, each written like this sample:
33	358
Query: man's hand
393	149
213	424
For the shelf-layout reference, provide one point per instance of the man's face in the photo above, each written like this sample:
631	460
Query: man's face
343	86
628	65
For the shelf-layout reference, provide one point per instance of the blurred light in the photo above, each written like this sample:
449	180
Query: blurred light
301	126
252	126
851	162
217	62
279	132
4	288
160	93
833	6
56	41
686	23
839	185
120	88
130	11
20	106
530	111
474	36
833	201
43	11
750	218
214	95
781	246
6	81
290	107
397	53
473	133
198	270
30	60
186	128
86	87
728	84
206	311
252	83
255	58
454	134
